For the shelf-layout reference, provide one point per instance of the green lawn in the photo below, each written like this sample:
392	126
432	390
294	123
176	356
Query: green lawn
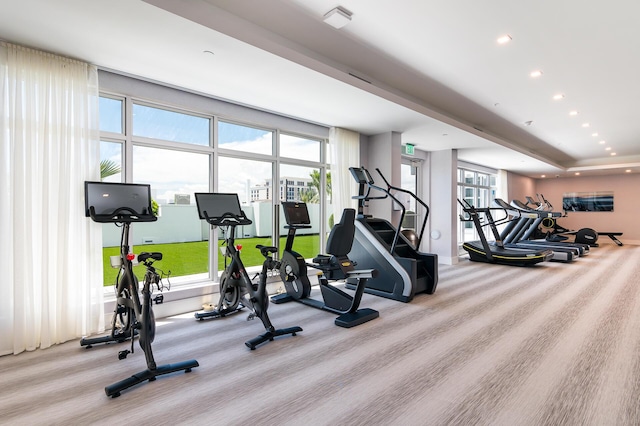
193	258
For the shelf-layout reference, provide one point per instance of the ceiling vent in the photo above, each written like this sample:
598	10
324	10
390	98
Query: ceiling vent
337	17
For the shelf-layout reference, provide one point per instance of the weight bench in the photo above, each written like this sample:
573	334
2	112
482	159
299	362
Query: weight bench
613	236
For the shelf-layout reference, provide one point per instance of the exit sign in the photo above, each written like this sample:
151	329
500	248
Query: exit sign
408	149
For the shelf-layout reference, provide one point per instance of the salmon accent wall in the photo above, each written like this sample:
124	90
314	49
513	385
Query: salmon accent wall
626	191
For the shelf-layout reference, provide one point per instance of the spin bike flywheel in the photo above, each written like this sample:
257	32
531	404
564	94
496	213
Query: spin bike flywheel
123	319
293	272
229	292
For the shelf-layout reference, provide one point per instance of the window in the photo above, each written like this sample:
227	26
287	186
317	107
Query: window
175	150
409	181
111	161
244	138
111	119
303	184
156	123
479	190
111	115
239	176
300	148
178	233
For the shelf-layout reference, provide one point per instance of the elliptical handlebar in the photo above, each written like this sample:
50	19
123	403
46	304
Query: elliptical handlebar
366	183
415	197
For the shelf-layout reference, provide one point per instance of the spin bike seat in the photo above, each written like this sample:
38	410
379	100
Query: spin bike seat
266	250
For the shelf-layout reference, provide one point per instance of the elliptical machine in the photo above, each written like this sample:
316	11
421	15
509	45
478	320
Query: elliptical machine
334	266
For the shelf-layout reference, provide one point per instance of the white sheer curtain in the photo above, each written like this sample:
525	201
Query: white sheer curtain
345	153
50	254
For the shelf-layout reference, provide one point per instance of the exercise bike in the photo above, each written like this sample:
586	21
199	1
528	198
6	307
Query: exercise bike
334	266
135	316
236	288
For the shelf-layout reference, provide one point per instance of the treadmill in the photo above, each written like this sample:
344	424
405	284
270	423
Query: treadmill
525	235
496	252
523	223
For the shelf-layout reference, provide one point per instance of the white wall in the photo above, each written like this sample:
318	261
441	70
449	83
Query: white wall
443	196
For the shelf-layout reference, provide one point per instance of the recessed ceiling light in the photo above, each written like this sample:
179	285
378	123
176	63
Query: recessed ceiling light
577	173
608	148
628	171
558	97
613	153
602	142
543	176
536	73
504	39
573	113
585	124
595	135
337	17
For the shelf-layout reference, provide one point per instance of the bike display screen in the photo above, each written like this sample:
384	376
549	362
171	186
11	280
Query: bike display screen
107	198
296	213
217	204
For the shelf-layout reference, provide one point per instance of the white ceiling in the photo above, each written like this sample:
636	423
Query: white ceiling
431	70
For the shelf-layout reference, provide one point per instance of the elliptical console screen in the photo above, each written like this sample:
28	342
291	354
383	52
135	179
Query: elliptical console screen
107	197
296	213
358	174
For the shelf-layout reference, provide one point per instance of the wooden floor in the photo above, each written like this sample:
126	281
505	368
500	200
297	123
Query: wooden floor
554	344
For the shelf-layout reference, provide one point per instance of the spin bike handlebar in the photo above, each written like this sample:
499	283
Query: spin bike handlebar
144	256
228	219
121	215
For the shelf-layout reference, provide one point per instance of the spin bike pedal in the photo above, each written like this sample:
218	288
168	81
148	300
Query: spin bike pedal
123	354
158	299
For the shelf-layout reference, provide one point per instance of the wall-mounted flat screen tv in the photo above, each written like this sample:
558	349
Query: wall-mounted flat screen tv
599	201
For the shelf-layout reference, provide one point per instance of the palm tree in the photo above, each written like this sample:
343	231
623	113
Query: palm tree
309	195
108	168
315	182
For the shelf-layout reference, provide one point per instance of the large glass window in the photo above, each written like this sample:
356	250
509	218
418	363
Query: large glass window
245	138
178	234
111	121
409	181
111	161
300	148
302	184
479	190
111	116
156	123
173	151
252	181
